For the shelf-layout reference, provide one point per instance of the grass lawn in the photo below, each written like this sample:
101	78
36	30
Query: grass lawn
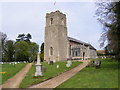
90	77
51	71
8	70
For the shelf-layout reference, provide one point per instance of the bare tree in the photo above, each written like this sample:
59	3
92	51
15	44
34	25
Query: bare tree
108	14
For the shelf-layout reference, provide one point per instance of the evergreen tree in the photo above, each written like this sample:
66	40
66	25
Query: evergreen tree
23	37
42	52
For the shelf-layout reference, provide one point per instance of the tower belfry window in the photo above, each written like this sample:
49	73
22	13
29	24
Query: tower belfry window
62	21
51	21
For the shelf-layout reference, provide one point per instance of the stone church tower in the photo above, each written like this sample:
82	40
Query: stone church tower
55	47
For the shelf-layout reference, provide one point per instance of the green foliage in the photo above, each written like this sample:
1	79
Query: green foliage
21	51
90	77
51	71
42	47
42	52
23	37
28	37
10	70
33	49
42	57
99	54
26	51
9	51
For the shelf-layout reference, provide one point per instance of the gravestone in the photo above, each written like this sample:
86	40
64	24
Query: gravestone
51	62
1	62
57	66
43	69
48	62
97	63
69	62
38	67
54	61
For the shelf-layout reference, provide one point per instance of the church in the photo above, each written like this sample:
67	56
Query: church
58	46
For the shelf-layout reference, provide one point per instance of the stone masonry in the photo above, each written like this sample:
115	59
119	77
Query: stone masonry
58	46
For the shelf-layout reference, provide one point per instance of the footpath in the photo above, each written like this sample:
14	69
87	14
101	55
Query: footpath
15	81
56	81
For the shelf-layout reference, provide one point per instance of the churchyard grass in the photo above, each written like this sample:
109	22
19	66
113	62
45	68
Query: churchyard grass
50	72
9	70
104	77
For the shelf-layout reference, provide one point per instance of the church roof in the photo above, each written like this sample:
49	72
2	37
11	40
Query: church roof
80	42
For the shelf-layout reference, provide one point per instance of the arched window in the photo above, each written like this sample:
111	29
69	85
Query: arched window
51	51
51	21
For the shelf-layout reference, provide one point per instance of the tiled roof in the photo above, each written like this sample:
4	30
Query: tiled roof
80	42
101	51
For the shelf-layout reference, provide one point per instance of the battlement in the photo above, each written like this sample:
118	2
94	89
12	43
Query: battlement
55	18
57	12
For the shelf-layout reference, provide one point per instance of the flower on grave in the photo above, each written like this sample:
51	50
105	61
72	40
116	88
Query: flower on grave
3	72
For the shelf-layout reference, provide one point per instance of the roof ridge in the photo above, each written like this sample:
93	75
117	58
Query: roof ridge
79	41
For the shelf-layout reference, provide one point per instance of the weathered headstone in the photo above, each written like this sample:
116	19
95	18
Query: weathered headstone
38	67
48	62
97	63
43	69
51	62
69	62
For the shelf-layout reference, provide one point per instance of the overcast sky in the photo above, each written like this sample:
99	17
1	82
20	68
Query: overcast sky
29	17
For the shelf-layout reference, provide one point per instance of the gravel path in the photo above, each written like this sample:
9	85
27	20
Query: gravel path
56	81
15	81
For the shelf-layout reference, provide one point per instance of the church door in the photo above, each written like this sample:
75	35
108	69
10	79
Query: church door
83	55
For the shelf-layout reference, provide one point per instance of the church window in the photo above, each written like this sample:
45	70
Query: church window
73	53
70	50
51	51
76	53
51	21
